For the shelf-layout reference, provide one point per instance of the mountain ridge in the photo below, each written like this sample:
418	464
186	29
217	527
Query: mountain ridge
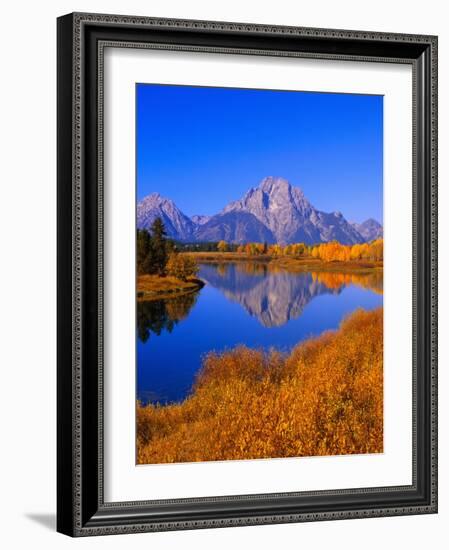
370	229
274	211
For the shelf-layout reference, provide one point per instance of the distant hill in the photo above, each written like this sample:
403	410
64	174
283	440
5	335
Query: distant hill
370	229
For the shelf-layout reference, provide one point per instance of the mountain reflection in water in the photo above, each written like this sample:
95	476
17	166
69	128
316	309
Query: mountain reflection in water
245	303
276	296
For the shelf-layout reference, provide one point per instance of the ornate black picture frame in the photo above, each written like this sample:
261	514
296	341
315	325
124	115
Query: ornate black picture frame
81	510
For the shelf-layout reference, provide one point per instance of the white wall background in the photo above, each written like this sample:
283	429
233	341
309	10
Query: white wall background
28	267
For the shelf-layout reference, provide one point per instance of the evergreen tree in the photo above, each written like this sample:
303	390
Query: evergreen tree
159	245
144	252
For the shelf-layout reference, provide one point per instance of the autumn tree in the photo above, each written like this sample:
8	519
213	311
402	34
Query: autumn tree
334	251
298	249
275	250
222	246
181	266
377	247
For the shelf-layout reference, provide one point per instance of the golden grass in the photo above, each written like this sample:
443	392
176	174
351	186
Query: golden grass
155	287
324	398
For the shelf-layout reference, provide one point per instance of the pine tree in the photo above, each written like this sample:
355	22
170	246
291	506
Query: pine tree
159	245
144	252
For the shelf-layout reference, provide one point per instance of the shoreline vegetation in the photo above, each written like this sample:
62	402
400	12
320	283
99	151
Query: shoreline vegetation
331	256
166	269
155	287
289	263
325	397
162	272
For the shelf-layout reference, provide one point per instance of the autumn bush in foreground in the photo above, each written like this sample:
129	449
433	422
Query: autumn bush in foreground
324	398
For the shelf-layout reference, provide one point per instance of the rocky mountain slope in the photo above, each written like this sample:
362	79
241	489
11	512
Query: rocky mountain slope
289	215
272	298
369	229
199	219
275	211
178	225
235	227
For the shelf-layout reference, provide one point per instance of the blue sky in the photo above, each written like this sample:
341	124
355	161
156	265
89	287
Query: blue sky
205	147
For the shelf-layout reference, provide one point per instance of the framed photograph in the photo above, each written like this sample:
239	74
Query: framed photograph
247	278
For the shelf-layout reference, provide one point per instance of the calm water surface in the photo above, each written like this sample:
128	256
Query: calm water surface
242	303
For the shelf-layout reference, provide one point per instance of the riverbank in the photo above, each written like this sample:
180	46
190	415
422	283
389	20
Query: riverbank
314	264
225	257
155	287
291	263
323	398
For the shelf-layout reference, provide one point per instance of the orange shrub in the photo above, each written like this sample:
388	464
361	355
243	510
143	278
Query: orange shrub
324	398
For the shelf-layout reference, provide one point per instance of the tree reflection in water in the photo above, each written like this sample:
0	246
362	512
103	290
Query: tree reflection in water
274	296
158	315
371	281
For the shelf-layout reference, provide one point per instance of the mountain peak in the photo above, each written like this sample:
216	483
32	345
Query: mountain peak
274	211
286	212
273	183
153	198
177	224
277	185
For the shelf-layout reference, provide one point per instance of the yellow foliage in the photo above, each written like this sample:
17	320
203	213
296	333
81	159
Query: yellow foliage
327	252
324	398
181	266
334	251
222	246
275	250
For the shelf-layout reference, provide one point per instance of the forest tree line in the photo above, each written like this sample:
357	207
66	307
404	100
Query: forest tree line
158	255
328	252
